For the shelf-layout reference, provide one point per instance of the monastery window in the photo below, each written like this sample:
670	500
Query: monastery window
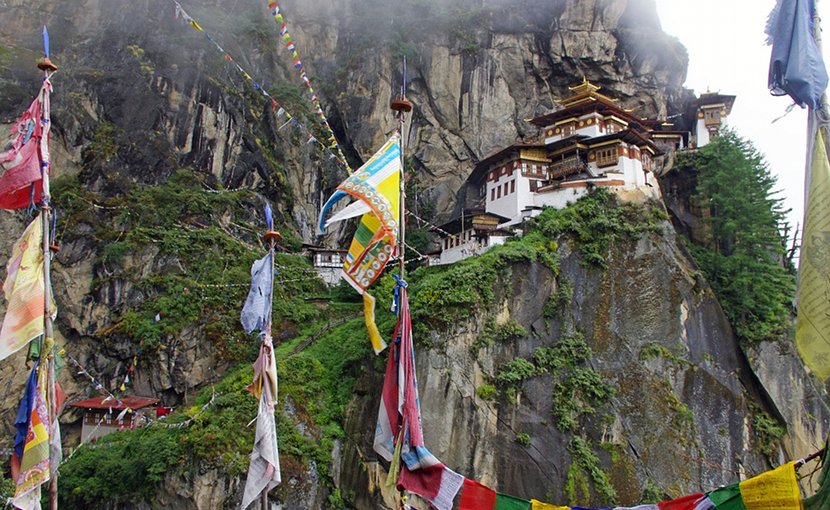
498	191
513	186
607	156
492	194
711	117
505	189
534	185
612	127
108	418
568	130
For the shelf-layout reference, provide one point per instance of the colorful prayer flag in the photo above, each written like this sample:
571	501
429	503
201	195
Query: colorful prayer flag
476	496
30	464
727	498
796	65
24	290
437	484
376	186
685	503
27	155
505	502
773	490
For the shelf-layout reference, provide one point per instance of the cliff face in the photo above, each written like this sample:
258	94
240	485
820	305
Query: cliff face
139	96
685	401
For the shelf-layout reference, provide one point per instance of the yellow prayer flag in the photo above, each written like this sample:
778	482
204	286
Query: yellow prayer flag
196	25
773	490
535	504
24	290
812	335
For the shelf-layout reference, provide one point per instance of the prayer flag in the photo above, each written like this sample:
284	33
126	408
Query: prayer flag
25	155
376	186
812	333
773	490
476	496
535	504
264	468
437	484
256	314
821	499
505	502
685	503
31	463
727	498
24	290
796	66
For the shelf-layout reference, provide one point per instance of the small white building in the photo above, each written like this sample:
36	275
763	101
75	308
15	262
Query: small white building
712	108
473	233
328	262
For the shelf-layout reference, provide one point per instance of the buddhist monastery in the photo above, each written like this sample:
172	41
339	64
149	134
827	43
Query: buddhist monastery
591	141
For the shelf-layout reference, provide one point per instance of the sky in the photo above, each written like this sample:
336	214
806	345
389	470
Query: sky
728	53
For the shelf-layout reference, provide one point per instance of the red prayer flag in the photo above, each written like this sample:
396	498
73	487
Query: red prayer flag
475	496
685	503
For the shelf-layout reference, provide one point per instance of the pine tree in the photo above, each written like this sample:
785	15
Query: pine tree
744	258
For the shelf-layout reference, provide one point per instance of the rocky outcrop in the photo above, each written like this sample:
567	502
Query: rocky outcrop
681	418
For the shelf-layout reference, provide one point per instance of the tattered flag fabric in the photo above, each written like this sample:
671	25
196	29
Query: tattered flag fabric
773	490
796	66
33	468
376	186
257	310
24	290
437	484
264	469
812	325
399	415
25	155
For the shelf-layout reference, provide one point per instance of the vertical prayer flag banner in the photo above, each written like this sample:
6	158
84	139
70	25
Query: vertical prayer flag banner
796	66
264	467
32	466
376	186
812	333
24	290
26	156
773	490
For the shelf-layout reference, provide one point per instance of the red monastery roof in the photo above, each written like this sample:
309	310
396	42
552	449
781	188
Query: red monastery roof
126	403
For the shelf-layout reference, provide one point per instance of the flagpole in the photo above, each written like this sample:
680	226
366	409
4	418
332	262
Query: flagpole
272	236
401	107
47	346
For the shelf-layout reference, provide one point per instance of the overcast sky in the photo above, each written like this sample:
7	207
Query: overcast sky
728	53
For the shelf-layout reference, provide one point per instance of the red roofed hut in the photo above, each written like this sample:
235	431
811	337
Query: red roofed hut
104	415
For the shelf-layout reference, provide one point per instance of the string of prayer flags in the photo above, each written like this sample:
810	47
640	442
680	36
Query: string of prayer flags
276	108
288	42
476	496
27	154
376	186
24	290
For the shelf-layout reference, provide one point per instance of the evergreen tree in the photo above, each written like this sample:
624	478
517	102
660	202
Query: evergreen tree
744	255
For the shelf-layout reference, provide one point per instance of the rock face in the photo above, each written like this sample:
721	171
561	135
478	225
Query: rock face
140	94
685	392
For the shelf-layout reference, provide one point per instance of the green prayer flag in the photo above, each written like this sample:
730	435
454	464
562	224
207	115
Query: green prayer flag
727	498
505	502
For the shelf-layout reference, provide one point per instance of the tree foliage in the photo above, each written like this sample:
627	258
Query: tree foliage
744	255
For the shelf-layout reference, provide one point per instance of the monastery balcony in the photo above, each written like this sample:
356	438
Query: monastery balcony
566	167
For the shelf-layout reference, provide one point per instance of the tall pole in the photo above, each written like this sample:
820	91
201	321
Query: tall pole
272	237
47	347
401	107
